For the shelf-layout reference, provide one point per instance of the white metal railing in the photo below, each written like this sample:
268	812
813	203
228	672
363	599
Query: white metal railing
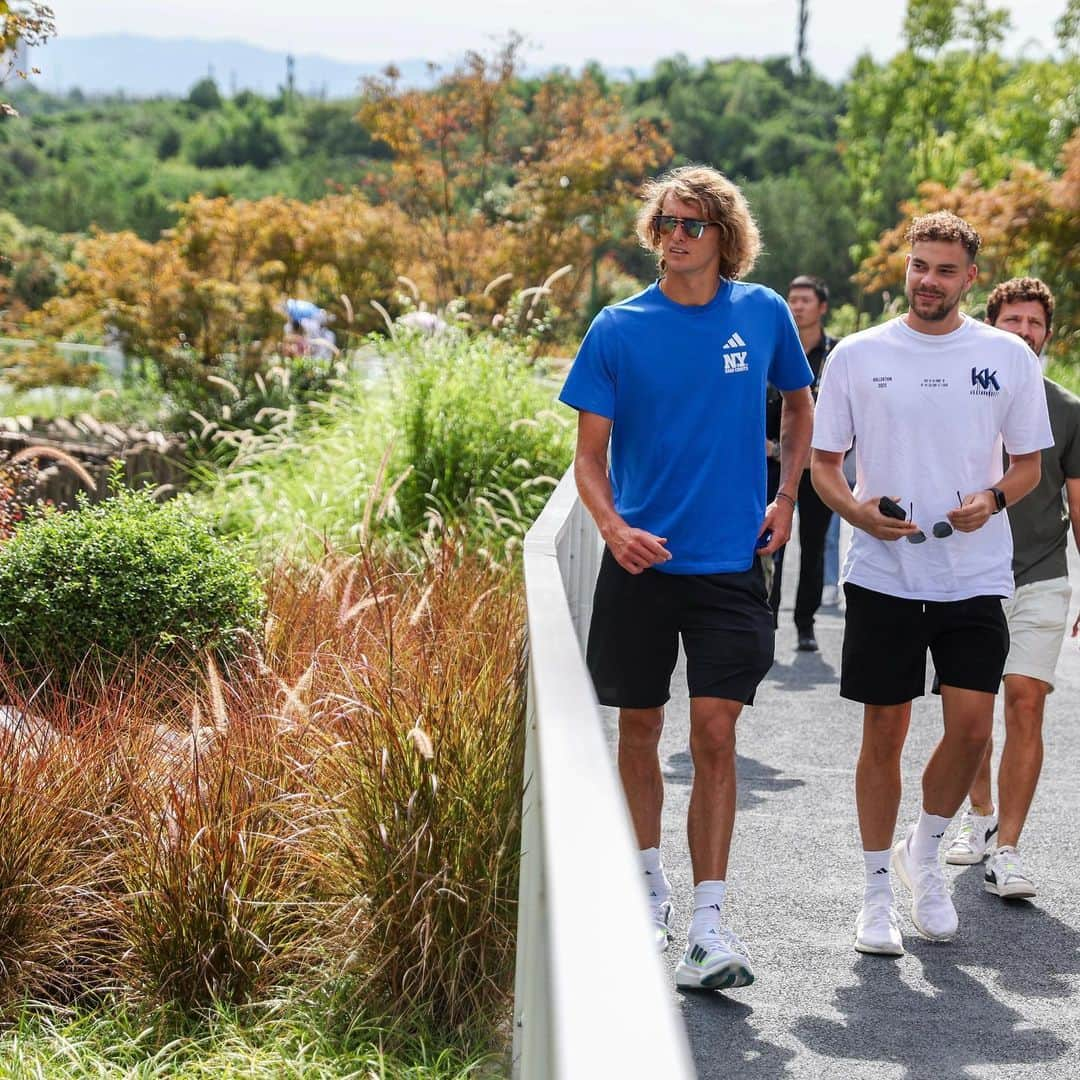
108	356
591	999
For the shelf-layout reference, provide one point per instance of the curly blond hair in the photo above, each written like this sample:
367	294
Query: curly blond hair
944	226
720	202
1017	291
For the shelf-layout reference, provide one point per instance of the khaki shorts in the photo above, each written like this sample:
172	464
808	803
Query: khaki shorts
1038	615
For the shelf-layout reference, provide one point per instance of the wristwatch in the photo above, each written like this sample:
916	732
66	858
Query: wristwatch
999	499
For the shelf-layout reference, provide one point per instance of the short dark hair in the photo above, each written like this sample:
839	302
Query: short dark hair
811	281
944	225
1016	291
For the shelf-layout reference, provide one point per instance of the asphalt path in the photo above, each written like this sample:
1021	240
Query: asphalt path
1001	1000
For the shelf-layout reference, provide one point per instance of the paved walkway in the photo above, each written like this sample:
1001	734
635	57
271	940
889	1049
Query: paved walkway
1001	1000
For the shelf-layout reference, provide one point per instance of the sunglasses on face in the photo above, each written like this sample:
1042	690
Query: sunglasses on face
693	227
940	529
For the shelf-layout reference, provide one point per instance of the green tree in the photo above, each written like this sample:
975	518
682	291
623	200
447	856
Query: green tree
205	95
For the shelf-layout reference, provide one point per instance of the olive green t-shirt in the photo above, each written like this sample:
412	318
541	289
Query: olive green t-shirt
1040	521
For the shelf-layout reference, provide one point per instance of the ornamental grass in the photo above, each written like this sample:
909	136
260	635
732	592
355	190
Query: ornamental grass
333	811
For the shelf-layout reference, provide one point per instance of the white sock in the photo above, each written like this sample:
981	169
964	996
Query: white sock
708	908
878	882
655	879
926	839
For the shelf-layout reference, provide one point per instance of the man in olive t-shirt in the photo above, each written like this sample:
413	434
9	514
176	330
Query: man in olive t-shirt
1038	612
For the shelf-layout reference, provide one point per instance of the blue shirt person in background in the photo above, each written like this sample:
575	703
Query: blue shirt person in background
674	380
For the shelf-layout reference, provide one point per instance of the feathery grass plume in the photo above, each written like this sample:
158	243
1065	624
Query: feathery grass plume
411	286
346	303
426	815
61	457
495	282
217	902
53	933
217	380
385	316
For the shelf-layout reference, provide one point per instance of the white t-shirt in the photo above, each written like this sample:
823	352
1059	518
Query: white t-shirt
928	413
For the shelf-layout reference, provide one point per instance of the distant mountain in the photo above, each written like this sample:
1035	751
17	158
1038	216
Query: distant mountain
147	67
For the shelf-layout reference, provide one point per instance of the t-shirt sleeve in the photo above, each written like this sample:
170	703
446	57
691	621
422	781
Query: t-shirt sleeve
1070	452
590	386
1026	426
834	428
789	368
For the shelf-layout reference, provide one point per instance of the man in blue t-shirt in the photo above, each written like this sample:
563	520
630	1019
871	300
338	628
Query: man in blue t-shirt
675	380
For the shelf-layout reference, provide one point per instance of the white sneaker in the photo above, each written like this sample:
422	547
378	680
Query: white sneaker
830	595
932	909
972	840
661	919
877	929
717	960
1005	875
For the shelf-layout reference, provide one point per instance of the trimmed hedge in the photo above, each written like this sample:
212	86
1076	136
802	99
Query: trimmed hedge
122	577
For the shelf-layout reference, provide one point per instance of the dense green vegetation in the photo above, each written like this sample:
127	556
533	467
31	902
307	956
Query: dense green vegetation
826	167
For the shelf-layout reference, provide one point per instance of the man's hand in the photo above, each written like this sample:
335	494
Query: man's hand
778	516
871	520
974	512
1076	625
635	549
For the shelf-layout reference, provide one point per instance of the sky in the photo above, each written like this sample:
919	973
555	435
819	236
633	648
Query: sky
618	33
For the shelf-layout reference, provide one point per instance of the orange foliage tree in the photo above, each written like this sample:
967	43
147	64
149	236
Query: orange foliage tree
212	287
498	177
1029	224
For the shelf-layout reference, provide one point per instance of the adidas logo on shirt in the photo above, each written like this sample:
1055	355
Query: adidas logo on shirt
735	353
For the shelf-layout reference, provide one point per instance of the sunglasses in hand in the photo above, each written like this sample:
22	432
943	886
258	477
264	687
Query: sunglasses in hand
666	224
940	529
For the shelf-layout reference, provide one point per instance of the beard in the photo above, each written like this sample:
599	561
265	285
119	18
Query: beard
932	307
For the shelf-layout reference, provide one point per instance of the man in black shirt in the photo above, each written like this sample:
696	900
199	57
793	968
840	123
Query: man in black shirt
808	298
1037	612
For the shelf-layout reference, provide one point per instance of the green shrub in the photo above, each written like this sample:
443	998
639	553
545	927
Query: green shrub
121	577
477	421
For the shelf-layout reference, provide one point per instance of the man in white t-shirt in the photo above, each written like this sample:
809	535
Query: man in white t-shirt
928	399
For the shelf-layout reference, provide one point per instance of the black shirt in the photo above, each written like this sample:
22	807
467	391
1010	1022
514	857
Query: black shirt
774	402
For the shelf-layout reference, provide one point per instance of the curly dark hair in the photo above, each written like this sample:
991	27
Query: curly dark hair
1016	291
720	201
944	225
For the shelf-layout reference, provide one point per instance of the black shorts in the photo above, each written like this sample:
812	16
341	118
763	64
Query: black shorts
886	639
724	619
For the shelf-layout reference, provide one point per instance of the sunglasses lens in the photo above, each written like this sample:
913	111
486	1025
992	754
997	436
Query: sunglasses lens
694	229
666	225
942	529
916	538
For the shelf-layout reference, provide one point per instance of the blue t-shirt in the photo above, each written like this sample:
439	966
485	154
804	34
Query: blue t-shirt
684	387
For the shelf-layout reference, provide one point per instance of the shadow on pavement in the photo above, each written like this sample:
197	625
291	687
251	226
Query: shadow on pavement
756	780
961	1024
741	1053
805	669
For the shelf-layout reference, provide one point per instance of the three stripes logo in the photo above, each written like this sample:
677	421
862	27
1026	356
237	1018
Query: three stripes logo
698	954
735	353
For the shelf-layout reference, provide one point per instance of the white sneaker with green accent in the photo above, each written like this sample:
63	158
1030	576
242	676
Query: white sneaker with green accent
1005	875
972	840
717	960
661	920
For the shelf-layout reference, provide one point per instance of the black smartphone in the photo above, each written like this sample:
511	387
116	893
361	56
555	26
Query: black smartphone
890	509
763	539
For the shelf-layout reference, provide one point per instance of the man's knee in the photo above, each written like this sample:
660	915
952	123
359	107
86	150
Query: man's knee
885	730
640	728
712	734
1025	701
